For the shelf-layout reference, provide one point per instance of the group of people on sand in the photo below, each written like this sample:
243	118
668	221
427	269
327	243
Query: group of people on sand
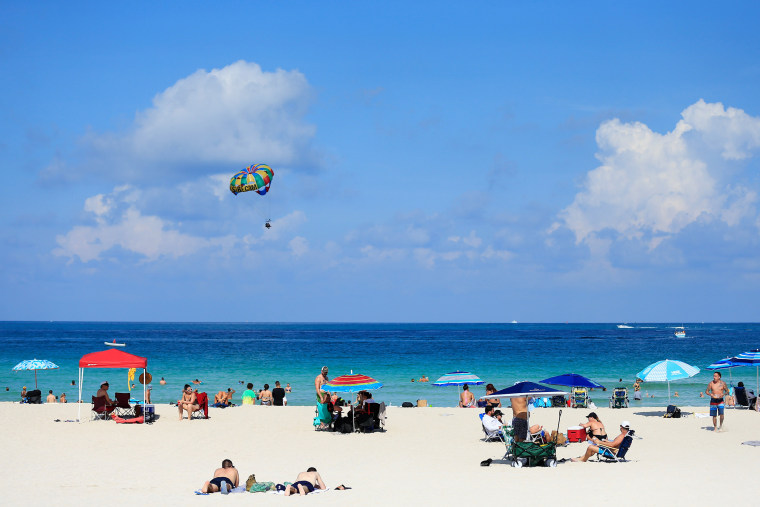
276	397
227	478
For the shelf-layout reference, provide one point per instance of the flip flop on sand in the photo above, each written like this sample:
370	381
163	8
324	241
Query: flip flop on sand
342	487
486	462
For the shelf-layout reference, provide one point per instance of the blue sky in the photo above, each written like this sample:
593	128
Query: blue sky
433	161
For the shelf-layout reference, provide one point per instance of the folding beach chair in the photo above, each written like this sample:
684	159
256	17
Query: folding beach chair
608	455
374	410
744	397
492	436
202	411
579	397
99	408
123	408
619	398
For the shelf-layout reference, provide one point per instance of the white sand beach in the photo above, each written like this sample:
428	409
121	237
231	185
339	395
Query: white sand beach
427	456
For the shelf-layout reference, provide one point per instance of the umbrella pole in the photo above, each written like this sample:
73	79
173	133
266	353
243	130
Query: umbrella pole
668	391
35	379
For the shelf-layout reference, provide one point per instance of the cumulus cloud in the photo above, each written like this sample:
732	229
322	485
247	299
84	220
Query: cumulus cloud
223	116
650	186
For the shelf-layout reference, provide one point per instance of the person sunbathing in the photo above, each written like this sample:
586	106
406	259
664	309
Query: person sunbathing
225	479
604	445
305	483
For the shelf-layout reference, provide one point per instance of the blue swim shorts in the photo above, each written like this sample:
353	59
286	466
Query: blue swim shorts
716	410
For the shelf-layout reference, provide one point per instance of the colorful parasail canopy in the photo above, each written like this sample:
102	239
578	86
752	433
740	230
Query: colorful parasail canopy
351	383
253	178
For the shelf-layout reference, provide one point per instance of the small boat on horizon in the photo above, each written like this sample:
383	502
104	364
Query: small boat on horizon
114	344
680	332
624	326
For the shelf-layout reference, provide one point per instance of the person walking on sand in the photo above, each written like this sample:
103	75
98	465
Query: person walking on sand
225	479
306	482
466	399
716	390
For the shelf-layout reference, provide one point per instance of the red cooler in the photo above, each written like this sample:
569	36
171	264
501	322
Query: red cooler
576	434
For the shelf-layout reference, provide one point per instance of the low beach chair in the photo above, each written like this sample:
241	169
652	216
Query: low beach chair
99	408
202	411
608	455
123	408
744	397
491	436
579	397
619	398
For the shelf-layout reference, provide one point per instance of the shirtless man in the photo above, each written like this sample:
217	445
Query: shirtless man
613	445
103	391
716	390
321	379
225	479
306	482
637	389
51	397
520	418
188	403
466	399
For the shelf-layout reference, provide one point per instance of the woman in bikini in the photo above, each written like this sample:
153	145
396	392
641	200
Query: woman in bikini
266	395
188	402
594	427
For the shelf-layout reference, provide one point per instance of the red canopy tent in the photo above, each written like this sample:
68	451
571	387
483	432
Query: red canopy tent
110	358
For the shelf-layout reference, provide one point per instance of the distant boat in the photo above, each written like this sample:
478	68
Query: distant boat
114	344
680	332
624	326
514	322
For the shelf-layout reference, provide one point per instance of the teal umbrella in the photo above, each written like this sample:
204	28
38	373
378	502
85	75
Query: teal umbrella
35	364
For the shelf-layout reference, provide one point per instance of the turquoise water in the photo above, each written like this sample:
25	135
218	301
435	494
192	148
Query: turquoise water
222	354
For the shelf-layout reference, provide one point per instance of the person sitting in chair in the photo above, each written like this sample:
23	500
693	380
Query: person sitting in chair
103	391
594	427
188	402
602	446
492	421
225	479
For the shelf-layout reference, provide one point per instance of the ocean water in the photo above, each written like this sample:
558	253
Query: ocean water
223	354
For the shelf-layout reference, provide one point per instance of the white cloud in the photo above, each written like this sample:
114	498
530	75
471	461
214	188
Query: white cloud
652	185
299	246
229	115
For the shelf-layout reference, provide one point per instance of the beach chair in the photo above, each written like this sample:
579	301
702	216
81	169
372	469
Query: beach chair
619	398
608	455
579	397
123	408
491	436
99	408
202	411
533	454
744	397
374	410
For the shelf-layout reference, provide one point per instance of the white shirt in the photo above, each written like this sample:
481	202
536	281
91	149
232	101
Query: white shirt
491	424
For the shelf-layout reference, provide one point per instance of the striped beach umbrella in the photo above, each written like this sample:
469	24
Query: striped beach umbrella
351	383
35	364
751	357
458	378
667	370
723	364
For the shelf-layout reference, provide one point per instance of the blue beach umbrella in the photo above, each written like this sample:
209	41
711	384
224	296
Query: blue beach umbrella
751	357
667	370
572	380
458	378
524	389
35	364
723	364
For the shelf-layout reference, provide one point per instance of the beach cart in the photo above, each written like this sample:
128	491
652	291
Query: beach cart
533	454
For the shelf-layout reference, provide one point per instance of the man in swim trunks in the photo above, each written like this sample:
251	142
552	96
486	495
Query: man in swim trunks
225	479
322	396
716	390
520	418
466	399
306	482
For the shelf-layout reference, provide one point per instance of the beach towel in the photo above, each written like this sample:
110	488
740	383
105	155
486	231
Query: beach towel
132	420
323	415
262	487
754	443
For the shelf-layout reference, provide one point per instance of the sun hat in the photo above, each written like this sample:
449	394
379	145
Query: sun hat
626	425
324	368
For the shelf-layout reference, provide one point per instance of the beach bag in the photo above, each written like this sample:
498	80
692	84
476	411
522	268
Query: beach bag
345	426
407	404
673	412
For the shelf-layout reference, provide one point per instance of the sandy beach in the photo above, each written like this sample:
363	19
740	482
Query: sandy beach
427	456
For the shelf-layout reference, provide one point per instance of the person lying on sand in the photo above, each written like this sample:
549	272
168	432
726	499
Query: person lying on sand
613	445
225	479
305	483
